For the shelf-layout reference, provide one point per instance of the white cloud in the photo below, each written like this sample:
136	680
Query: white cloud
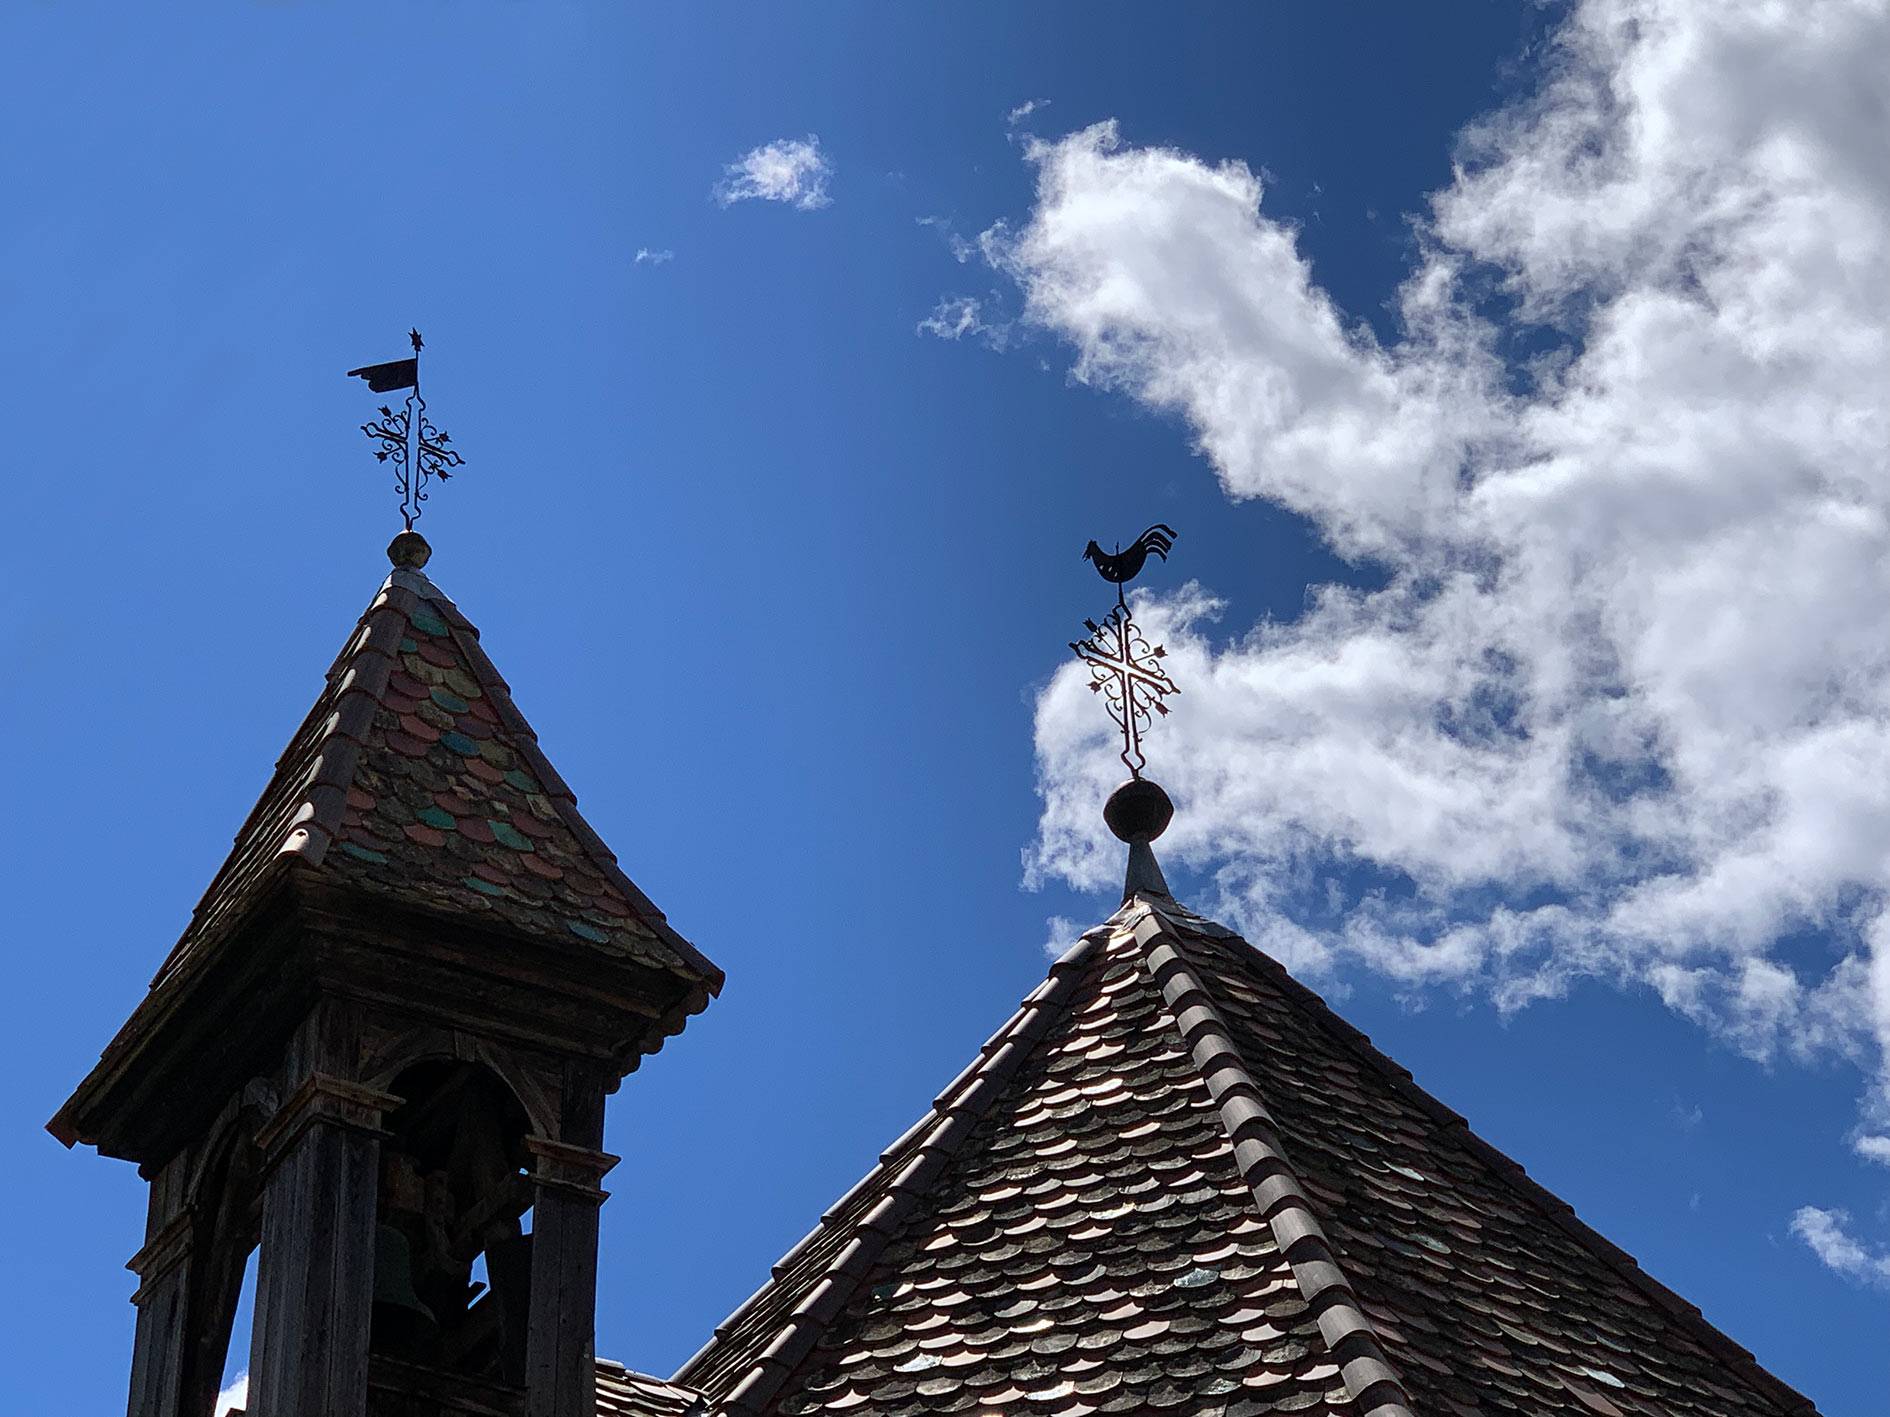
957	316
1873	1148
962	250
1060	932
646	257
1828	1232
791	170
1622	706
236	1395
1024	110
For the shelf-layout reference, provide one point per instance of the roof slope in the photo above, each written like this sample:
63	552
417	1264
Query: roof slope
415	777
1176	1182
623	1392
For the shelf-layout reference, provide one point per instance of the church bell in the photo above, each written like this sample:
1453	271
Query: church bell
400	1317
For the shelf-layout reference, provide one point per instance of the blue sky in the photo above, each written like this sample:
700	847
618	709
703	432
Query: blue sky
784	579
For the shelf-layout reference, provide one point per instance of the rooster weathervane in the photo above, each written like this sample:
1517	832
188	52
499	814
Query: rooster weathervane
408	439
1124	667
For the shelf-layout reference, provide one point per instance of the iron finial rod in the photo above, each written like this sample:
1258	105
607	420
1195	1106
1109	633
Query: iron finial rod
408	439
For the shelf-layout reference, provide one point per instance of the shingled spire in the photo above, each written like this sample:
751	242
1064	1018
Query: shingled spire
386	1034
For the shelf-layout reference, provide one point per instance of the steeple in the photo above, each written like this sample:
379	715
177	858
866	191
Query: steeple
1174	1181
382	1048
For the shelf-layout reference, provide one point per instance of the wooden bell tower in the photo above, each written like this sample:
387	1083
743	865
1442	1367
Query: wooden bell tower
379	1057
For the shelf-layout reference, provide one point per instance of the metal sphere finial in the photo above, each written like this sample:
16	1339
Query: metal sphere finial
1138	811
409	548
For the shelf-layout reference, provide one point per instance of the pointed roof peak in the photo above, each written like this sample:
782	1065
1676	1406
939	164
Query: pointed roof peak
1176	1181
416	777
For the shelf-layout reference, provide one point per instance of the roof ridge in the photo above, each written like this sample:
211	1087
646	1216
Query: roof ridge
1688	1315
652	1396
906	1171
319	801
563	799
1261	1162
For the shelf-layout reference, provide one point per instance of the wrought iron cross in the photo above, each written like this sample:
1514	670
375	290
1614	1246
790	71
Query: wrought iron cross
408	439
1124	667
1127	671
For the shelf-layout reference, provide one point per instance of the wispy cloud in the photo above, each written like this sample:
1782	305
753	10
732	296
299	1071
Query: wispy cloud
962	249
1620	706
1060	933
234	1396
647	257
791	170
1828	1232
1024	110
957	317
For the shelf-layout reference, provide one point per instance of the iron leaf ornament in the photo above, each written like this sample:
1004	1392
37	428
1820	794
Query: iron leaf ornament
408	438
1124	667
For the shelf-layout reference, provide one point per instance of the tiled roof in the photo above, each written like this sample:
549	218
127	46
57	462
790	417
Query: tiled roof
623	1393
415	778
1176	1182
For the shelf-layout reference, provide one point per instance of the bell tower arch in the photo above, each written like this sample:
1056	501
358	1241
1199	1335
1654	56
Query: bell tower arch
380	1054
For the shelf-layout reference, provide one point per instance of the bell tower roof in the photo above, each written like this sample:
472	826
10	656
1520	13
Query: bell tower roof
415	784
415	776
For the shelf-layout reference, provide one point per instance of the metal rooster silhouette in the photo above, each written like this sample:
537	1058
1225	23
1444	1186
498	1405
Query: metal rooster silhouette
1120	567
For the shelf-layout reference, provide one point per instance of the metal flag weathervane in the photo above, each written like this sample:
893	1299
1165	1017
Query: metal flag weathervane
1124	667
408	439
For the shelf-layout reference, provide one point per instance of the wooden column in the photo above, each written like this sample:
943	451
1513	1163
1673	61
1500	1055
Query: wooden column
560	1362
315	1268
163	1270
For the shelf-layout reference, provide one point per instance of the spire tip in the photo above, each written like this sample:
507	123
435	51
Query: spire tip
1138	812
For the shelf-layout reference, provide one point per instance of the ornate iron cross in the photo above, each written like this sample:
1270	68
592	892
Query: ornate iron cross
408	439
1126	669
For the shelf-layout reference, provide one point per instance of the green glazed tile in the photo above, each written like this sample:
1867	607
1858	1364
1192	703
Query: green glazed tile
361	853
587	932
451	702
509	835
484	887
460	744
439	818
427	624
